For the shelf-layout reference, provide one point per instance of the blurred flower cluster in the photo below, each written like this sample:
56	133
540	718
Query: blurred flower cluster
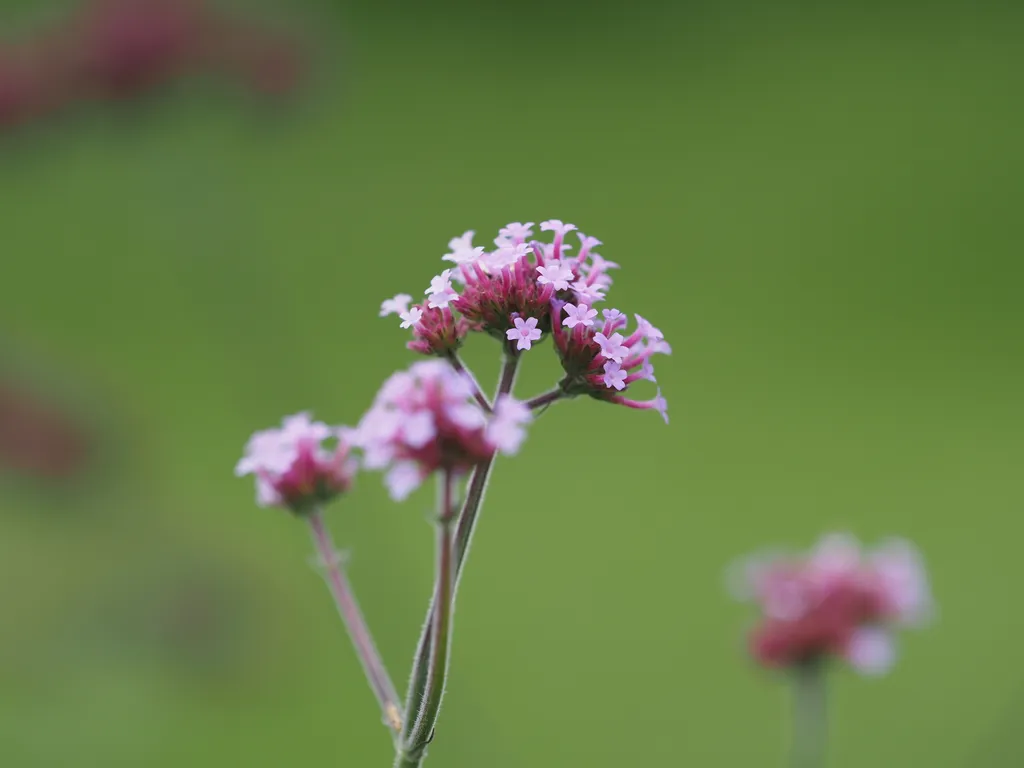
119	50
38	438
837	600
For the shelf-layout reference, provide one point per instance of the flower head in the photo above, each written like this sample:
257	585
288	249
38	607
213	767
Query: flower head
599	361
424	419
836	600
491	292
293	469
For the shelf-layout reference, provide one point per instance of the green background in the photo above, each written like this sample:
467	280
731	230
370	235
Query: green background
819	207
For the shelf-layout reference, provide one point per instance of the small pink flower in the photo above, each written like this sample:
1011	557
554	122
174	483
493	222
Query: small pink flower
440	293
410	317
462	250
395	306
525	332
556	226
292	467
506	428
425	420
614	376
579	315
612	347
836	600
515	232
557	274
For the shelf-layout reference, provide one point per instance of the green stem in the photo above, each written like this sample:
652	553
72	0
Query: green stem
810	725
463	535
419	733
546	399
355	623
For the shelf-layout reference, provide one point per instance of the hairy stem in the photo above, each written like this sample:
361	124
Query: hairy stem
810	725
418	734
463	535
355	623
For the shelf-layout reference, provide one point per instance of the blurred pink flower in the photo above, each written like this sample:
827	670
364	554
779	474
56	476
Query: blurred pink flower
292	467
836	600
425	419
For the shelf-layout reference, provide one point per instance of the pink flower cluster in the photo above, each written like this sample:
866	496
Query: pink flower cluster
124	49
524	289
293	468
425	419
838	600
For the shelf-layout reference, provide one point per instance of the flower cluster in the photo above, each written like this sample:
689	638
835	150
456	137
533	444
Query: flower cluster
124	49
599	361
835	601
524	289
425	419
293	469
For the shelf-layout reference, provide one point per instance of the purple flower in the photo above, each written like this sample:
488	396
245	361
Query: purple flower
292	467
425	420
579	315
524	333
836	600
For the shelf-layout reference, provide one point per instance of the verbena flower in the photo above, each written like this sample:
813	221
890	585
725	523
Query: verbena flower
838	600
435	330
292	466
602	363
506	292
425	419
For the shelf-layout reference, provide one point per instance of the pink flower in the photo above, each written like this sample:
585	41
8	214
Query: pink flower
614	376
462	250
524	333
835	600
292	467
557	274
410	317
585	353
612	347
514	233
396	306
579	315
506	428
440	293
425	420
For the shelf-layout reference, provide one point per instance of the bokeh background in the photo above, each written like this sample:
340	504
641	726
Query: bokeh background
819	205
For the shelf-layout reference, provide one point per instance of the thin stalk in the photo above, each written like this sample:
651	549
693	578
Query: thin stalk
540	401
478	393
416	737
355	623
810	723
463	535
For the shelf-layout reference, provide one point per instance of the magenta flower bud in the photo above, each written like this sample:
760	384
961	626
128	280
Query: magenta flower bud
293	469
836	601
425	420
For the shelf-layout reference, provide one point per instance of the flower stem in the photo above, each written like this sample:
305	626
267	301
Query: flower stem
545	399
463	534
418	734
478	394
355	623
810	725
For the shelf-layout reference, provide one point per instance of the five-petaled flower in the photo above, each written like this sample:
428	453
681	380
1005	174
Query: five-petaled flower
425	420
525	332
293	469
836	600
580	314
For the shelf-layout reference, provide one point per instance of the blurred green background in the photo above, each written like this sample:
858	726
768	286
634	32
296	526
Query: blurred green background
816	205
